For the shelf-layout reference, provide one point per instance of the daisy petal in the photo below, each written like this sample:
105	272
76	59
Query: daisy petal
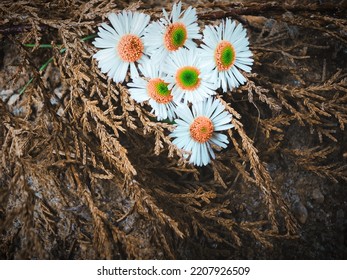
196	135
226	47
121	44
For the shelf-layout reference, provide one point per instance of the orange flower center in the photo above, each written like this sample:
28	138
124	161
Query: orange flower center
157	89
175	36
130	48
224	56
201	130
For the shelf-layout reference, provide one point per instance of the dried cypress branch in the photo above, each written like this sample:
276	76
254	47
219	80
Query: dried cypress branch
100	162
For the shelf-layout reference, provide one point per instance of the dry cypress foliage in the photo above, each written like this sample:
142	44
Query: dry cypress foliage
86	172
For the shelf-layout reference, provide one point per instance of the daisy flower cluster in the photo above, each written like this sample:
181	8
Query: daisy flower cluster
176	76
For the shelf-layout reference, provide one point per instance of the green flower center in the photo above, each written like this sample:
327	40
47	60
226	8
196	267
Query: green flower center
175	36
227	56
157	90
162	89
178	37
224	56
188	78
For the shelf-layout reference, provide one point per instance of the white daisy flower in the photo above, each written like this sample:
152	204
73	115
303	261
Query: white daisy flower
226	50
172	33
154	90
197	130
187	77
122	44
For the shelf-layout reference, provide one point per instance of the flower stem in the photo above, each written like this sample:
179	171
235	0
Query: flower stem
88	37
40	46
44	66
